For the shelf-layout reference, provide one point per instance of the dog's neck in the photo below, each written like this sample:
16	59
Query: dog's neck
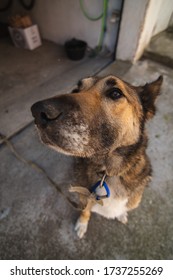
115	163
110	164
93	168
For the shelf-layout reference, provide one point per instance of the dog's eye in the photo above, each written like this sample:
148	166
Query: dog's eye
115	93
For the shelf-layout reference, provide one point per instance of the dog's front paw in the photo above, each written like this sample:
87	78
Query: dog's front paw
81	228
123	218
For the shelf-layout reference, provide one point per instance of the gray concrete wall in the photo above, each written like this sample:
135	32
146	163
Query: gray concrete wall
171	20
60	20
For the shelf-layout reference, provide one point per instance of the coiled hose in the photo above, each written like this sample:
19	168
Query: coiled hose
103	23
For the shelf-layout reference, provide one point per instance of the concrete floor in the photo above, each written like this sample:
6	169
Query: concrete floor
36	222
28	76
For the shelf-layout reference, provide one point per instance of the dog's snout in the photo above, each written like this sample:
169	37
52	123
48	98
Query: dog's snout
44	113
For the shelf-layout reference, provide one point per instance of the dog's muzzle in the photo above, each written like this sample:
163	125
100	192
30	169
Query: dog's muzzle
61	125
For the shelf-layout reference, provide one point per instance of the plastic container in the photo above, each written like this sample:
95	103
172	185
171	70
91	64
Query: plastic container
75	49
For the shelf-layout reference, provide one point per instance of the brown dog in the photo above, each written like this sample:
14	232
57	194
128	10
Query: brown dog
102	123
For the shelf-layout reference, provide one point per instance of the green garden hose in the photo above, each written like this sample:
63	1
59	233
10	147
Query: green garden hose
103	23
86	14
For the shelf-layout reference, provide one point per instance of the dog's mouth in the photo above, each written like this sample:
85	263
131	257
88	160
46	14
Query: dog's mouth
67	139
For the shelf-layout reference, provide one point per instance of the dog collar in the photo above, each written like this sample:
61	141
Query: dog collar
100	184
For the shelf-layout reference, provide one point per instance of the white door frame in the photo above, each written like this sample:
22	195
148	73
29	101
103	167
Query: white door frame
141	19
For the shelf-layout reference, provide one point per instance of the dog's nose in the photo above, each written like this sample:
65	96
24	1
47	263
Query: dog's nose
44	113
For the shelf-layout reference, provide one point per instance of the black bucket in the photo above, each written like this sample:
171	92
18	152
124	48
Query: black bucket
75	49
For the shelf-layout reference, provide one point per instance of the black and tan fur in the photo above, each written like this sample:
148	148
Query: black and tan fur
102	124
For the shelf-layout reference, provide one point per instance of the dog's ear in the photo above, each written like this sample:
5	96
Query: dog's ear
148	94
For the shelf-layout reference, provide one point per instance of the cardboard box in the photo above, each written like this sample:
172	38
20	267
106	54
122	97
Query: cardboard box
27	38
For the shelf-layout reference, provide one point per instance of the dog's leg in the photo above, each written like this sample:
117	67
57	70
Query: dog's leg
82	223
87	202
134	200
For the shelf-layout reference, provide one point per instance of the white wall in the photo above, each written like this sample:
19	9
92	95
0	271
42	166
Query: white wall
150	26
130	28
61	20
141	20
156	20
164	15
